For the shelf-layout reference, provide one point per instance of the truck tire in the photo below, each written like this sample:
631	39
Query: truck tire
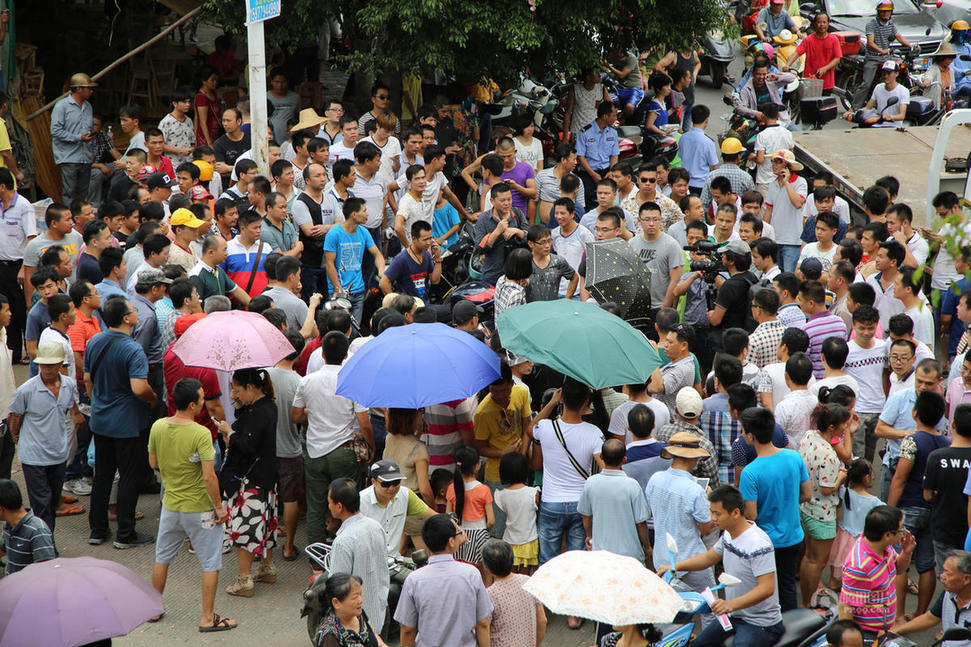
718	74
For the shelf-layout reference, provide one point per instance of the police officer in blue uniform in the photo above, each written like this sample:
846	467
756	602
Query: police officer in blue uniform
597	150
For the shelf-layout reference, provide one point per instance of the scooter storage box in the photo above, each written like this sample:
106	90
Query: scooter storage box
919	107
818	110
849	41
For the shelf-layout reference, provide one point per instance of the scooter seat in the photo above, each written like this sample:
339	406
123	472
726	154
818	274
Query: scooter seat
799	624
629	131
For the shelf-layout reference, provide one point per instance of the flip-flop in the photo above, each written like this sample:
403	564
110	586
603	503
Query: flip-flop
67	498
294	557
157	618
71	510
218	624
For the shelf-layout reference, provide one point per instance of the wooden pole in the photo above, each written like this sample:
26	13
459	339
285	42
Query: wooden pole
119	61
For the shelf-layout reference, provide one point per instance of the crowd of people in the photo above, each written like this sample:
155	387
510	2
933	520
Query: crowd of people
793	342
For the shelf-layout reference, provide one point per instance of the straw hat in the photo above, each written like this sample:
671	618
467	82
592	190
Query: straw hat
308	119
785	37
50	352
945	49
684	445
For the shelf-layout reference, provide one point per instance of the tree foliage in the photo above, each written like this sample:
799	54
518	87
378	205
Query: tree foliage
500	38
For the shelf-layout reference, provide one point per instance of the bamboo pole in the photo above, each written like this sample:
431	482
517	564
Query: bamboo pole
119	61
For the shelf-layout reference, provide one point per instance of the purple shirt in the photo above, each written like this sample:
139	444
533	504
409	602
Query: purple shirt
819	327
519	174
443	600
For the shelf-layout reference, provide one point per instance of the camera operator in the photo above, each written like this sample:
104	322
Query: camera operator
731	309
698	286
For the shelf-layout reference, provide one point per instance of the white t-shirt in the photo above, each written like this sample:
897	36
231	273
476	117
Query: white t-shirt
866	366
881	95
919	248
923	320
886	303
332	419
944	272
390	150
840	207
562	483
786	219
51	335
772	379
339	152
412	211
835	381
770	140
571	248
430	195
520	508
811	250
532	154
618	419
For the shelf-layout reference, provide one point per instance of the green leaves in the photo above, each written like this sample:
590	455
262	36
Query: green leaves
499	39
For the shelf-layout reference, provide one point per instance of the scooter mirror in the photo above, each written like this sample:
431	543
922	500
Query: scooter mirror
672	543
728	580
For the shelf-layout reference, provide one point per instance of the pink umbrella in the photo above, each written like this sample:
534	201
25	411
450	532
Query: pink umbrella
228	341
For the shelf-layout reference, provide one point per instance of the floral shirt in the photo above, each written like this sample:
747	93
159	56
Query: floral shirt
670	211
823	466
330	626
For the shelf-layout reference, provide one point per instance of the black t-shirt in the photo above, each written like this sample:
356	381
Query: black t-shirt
229	151
946	473
733	296
121	185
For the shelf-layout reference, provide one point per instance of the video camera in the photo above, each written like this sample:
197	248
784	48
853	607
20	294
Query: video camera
709	268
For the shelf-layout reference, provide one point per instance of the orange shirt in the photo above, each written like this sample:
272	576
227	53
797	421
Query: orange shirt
83	329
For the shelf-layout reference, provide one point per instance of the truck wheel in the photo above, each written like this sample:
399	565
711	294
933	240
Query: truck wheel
718	74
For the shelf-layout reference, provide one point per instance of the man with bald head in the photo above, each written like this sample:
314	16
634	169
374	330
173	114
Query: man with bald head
614	508
72	133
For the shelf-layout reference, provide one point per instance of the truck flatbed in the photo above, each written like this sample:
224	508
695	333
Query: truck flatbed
857	157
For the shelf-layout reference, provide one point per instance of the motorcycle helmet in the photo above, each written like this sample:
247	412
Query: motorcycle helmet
959	31
767	49
885	5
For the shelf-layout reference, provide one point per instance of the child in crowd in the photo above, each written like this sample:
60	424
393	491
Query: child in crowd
856	503
520	502
473	509
446	217
440	480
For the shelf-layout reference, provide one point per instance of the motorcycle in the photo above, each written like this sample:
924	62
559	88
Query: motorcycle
891	639
319	554
849	71
638	143
462	275
530	99
715	57
864	118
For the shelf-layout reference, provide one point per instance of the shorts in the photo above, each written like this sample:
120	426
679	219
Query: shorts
173	527
818	530
630	96
917	520
290	483
526	554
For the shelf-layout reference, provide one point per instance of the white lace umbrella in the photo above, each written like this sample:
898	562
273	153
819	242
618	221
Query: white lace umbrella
603	586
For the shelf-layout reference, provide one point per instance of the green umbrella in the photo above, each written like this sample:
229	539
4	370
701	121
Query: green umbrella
578	339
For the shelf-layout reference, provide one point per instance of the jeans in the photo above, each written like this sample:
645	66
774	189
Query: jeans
79	465
746	635
786	565
864	441
44	490
380	434
7	451
217	462
555	520
686	116
123	455
862	94
319	472
368	268
75	179
10	288
886	476
789	257
311	280
97	186
917	520
357	306
941	551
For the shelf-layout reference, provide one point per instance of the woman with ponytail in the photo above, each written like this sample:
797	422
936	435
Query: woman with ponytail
471	503
248	478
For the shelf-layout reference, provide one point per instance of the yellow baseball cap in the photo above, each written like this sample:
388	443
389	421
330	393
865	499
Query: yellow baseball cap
731	146
185	217
205	170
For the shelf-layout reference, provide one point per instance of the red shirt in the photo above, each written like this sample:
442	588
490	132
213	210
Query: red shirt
175	370
819	52
300	366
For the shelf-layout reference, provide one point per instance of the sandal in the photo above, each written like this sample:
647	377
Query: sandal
243	587
67	498
219	624
294	557
266	573
912	587
70	510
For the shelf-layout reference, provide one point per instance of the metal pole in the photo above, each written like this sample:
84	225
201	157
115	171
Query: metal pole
257	97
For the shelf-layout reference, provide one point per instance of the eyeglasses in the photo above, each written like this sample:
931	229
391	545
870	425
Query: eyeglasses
131	312
901	358
337	109
387	485
605	230
647	180
382	97
459	531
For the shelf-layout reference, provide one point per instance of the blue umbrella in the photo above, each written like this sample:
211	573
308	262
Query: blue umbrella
417	365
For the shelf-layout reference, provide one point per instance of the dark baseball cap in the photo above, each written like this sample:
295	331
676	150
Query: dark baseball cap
464	310
811	268
159	181
386	471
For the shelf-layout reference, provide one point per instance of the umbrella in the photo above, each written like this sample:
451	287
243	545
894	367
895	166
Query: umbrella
73	601
229	341
417	365
615	273
603	586
579	339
